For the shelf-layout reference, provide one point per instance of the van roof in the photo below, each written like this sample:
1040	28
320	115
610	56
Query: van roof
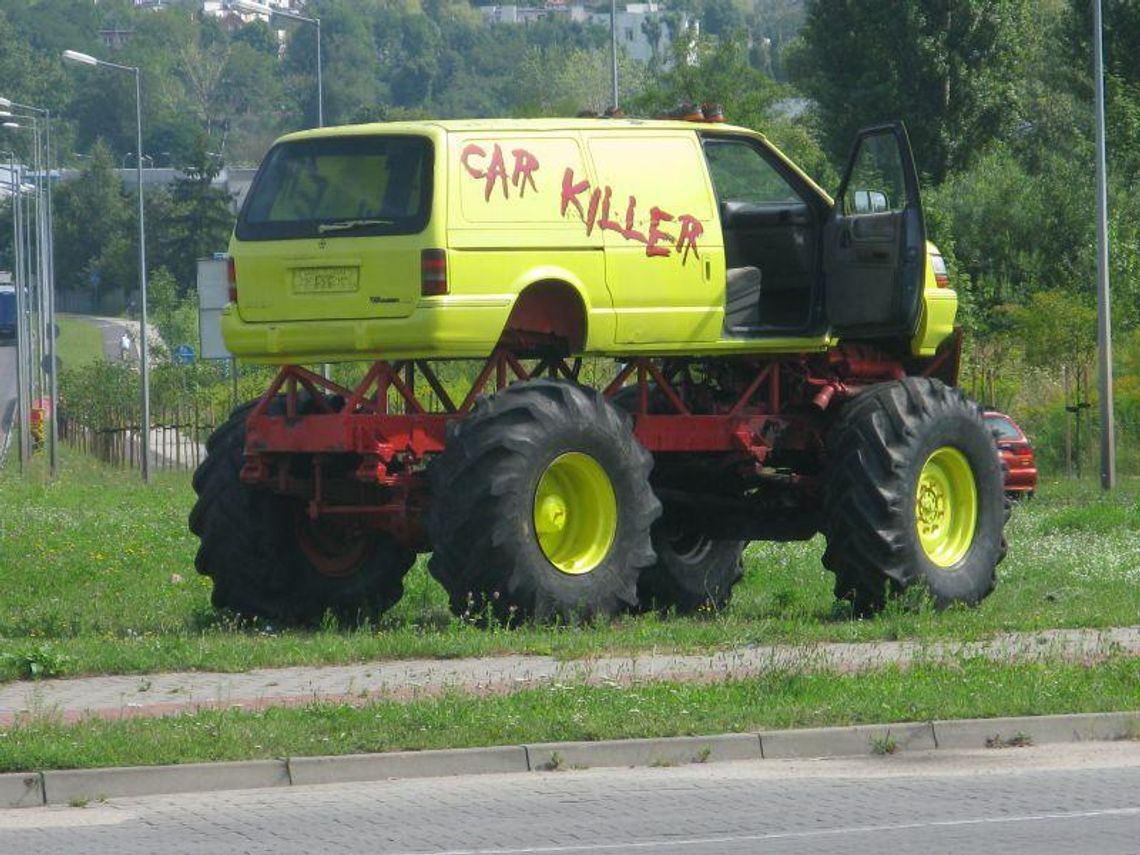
626	125
517	125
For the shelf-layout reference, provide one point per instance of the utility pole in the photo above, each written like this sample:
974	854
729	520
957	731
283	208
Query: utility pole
1103	304
613	52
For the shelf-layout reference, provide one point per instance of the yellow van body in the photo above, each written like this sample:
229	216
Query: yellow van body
618	217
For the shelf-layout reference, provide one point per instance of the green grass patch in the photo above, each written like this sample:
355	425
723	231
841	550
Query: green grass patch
968	688
80	341
97	576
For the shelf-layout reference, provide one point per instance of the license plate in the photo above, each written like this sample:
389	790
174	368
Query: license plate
325	280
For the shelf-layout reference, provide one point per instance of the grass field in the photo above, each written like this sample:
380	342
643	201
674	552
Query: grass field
964	689
80	341
97	576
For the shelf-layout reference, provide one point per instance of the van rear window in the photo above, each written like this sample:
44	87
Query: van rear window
340	187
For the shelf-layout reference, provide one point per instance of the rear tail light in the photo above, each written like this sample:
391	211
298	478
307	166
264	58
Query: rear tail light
941	275
433	272
231	279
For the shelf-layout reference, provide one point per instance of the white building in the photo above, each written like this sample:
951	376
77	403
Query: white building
226	8
632	36
629	21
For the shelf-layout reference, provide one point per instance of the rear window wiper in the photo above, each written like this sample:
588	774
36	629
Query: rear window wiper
349	225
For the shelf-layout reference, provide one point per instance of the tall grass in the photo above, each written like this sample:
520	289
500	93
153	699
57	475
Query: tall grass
97	575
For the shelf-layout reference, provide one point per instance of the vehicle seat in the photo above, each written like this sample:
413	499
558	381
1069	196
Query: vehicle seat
742	298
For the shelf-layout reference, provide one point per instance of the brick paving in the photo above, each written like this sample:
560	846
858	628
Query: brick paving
1053	800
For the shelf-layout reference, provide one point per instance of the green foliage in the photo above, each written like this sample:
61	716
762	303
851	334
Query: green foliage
707	69
35	662
1056	327
950	68
95	228
175	316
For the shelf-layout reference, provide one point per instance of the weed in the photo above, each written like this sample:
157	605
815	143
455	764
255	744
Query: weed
662	763
702	756
884	745
1021	739
557	761
78	801
35	662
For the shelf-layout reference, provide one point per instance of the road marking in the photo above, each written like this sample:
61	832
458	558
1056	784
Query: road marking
790	835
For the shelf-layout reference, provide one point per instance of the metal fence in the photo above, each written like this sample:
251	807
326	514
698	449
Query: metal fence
175	439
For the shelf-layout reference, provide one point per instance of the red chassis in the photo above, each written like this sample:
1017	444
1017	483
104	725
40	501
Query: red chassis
362	452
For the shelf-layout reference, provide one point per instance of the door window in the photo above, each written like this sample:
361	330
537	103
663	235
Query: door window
741	174
876	184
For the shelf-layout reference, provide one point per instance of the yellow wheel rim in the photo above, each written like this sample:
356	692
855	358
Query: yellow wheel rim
946	506
575	513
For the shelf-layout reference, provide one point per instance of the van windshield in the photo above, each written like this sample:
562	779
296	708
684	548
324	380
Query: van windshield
340	187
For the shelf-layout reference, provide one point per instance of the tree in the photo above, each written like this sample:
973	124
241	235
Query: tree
348	53
192	220
774	25
721	17
950	68
705	69
94	229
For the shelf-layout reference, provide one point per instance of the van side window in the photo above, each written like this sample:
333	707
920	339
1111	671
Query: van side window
741	174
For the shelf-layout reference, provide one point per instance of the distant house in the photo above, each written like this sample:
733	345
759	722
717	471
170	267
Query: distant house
230	9
630	20
114	36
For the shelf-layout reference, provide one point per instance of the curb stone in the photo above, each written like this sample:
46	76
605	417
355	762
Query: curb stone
337	769
673	751
21	789
1030	730
61	787
847	741
27	789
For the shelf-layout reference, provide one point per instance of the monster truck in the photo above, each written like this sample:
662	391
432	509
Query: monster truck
602	356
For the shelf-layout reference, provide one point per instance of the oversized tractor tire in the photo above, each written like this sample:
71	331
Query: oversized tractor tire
693	572
268	559
541	507
913	494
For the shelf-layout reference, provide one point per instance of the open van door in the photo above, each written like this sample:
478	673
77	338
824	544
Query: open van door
875	240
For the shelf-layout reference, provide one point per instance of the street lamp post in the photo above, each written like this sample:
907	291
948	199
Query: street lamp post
273	11
144	361
23	356
35	267
48	283
46	367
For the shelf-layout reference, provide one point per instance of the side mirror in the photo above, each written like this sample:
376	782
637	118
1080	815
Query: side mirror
869	201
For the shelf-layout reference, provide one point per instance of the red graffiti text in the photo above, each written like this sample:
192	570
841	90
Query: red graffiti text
597	211
494	171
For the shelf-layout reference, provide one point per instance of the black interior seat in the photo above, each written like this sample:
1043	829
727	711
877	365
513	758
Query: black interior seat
742	298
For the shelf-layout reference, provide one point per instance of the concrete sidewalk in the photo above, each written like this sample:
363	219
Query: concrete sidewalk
169	693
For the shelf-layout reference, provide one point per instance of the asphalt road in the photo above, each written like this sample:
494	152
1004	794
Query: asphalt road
7	389
1044	801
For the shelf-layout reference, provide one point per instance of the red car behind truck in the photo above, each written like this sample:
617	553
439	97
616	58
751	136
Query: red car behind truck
1017	456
